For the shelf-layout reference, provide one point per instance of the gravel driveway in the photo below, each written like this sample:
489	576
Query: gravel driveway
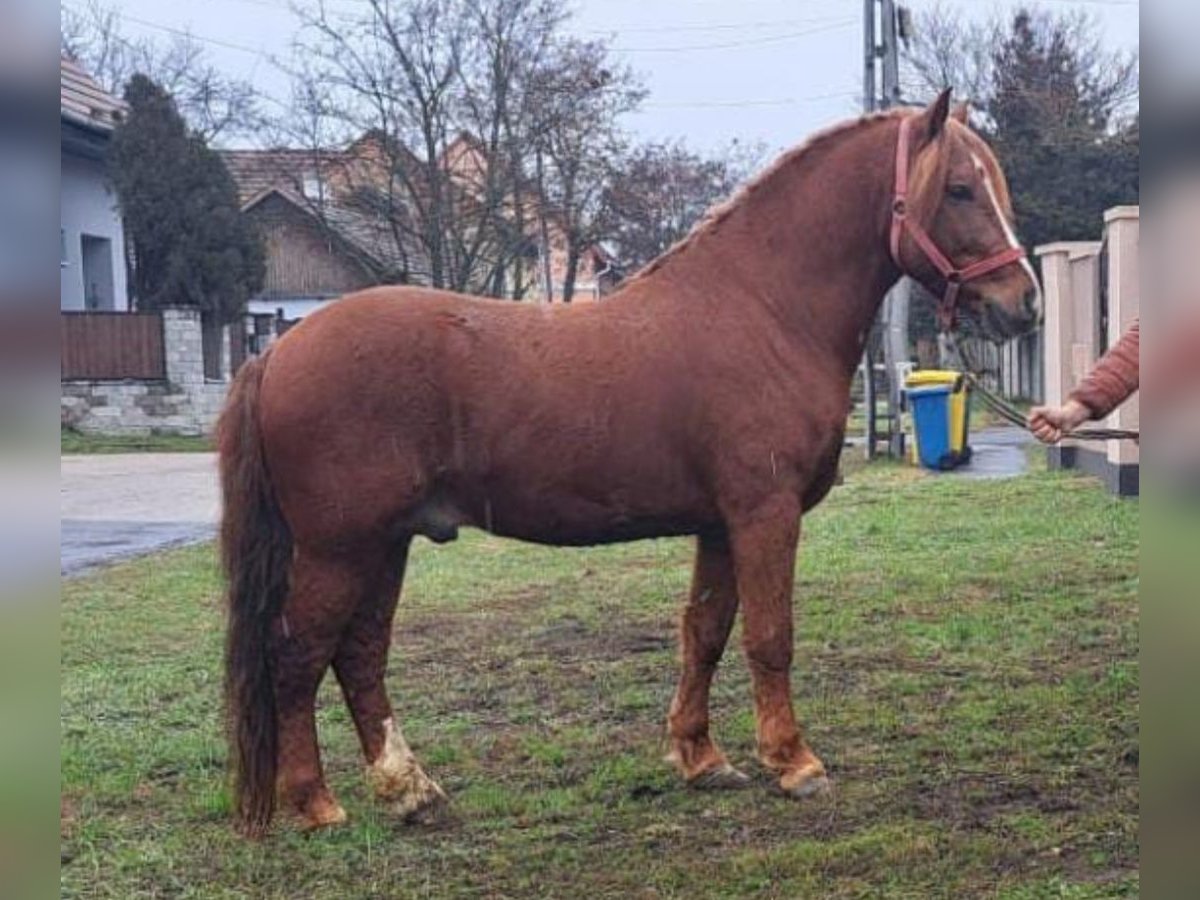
127	504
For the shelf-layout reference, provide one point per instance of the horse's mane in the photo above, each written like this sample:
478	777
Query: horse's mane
717	214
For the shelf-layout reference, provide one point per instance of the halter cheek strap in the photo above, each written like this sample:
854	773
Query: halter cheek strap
954	276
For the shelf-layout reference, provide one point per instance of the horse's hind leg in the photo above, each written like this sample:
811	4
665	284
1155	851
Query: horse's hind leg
361	664
323	594
704	631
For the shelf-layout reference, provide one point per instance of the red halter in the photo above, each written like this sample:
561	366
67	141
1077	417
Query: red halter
954	276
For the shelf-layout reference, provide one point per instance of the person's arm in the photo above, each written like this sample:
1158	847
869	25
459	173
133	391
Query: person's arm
1105	388
1114	378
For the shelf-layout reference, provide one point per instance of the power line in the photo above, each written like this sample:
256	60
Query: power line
1097	2
365	9
773	39
242	48
696	26
734	104
1128	3
187	33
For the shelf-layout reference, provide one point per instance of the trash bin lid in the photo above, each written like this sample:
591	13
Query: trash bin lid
924	377
929	390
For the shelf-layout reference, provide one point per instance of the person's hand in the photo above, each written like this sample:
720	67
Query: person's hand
1049	422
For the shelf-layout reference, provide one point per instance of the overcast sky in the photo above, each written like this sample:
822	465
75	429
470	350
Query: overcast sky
718	70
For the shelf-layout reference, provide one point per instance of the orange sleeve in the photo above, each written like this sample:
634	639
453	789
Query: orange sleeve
1114	377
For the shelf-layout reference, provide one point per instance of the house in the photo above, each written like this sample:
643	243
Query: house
316	248
597	273
91	238
326	218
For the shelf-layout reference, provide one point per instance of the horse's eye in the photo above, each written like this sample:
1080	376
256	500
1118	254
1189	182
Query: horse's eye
961	193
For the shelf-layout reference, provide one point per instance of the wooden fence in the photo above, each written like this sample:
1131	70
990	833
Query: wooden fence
1012	369
112	345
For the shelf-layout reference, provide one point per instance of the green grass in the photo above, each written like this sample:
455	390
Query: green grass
967	665
72	441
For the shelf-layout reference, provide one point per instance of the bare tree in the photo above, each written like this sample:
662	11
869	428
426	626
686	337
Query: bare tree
581	95
1057	105
402	76
442	104
660	190
213	104
951	49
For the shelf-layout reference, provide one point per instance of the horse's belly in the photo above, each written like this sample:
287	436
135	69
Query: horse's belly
567	518
588	533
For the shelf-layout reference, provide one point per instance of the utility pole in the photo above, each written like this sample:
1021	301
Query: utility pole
869	100
889	53
882	50
895	308
869	94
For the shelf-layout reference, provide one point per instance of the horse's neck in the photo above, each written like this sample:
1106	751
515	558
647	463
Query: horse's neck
806	245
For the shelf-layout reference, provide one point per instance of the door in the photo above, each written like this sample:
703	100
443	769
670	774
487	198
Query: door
97	257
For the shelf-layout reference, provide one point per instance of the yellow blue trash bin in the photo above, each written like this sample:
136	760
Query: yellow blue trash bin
939	401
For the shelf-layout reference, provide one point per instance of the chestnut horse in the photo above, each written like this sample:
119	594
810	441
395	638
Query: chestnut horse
707	397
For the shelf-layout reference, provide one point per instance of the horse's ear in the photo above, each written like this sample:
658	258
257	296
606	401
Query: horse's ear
935	116
961	113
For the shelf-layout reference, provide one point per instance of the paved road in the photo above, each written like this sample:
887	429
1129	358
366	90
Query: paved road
126	504
996	453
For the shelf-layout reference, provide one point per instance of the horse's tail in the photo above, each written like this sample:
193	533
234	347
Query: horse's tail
256	550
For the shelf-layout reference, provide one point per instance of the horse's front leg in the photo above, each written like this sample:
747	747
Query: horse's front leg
703	632
763	541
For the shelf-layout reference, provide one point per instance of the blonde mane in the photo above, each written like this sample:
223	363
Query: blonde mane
717	214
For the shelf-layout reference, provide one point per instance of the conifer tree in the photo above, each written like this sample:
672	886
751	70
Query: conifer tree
189	244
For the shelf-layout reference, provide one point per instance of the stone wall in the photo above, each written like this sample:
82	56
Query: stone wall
185	402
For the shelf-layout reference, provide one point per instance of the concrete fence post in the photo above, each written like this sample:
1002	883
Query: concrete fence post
1059	331
226	353
1124	304
184	346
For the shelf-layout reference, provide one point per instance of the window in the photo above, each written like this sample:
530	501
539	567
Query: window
62	248
311	187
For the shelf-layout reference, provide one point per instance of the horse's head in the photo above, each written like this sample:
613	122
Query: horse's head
953	231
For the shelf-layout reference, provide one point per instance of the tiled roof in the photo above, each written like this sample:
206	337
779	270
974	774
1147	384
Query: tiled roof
83	101
258	171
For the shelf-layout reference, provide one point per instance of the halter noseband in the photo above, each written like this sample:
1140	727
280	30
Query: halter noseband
954	277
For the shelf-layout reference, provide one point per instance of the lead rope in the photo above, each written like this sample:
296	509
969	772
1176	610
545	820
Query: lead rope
1013	416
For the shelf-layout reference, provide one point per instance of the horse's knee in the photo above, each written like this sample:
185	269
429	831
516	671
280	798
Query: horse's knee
768	656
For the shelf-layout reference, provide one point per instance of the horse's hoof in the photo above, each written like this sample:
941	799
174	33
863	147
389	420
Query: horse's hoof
414	798
428	809
723	777
322	815
814	787
807	781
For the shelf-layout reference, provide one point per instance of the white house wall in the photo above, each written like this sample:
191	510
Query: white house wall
290	308
88	206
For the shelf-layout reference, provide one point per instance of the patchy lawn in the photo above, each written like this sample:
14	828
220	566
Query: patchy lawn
967	667
71	441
